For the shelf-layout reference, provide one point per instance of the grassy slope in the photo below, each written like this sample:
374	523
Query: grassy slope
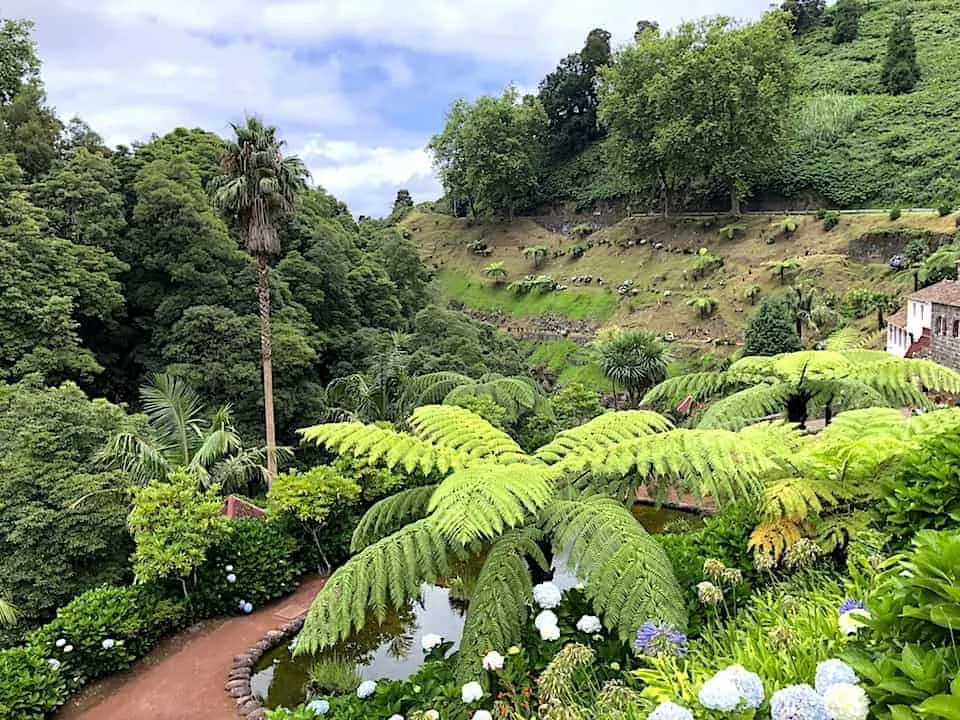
821	256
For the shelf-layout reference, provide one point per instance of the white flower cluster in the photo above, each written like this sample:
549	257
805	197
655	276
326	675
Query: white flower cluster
430	641
851	621
548	625
547	595
471	692
734	688
493	661
589	624
366	689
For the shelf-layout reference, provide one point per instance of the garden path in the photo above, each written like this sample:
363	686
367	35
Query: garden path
183	678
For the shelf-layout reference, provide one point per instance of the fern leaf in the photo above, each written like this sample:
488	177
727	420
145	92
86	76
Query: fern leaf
430	389
628	577
701	386
479	503
391	514
464	433
796	498
747	406
498	610
373	581
773	538
603	431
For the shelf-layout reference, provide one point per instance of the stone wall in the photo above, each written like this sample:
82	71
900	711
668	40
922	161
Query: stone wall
945	336
881	245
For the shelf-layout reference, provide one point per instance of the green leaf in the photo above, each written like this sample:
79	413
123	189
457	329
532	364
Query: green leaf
945	706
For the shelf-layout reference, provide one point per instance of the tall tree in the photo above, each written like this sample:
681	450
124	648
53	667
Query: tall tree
806	14
900	69
635	361
846	21
258	187
772	330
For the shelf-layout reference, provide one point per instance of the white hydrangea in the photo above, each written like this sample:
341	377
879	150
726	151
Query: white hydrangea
366	689
431	715
471	692
550	632
68	649
108	643
547	595
430	641
482	715
846	702
395	716
231	578
719	693
229	568
60	643
589	624
544	619
493	661
851	622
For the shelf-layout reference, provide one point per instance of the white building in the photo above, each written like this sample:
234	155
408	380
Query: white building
908	331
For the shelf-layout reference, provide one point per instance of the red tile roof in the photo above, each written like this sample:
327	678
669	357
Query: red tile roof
945	292
898	319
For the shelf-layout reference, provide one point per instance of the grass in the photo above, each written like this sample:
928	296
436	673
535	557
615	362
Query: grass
570	362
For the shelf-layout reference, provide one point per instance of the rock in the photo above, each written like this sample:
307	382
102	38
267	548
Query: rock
239	683
263	645
248	704
244	661
275	636
239	692
258	714
240	673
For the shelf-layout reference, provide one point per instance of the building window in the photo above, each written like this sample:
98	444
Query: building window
956	328
941	325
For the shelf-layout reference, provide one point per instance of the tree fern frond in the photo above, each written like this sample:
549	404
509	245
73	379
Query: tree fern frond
498	610
747	406
479	503
465	433
604	430
790	367
382	576
935	422
878	422
773	538
628	577
390	514
837	531
891	376
385	447
432	388
797	498
701	386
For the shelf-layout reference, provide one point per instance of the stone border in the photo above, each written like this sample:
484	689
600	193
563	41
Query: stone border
238	679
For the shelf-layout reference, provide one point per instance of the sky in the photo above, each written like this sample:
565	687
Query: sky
356	87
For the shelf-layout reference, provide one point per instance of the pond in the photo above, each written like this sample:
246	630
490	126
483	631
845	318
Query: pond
392	649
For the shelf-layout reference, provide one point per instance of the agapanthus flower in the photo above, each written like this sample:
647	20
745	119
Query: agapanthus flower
318	707
482	715
732	576
547	595
108	643
719	693
659	638
833	672
850	604
670	711
550	632
797	702
709	594
589	624
749	684
429	641
713	569
471	692
803	553
493	661
790	603
544	619
846	702
366	689
851	621
763	562
782	637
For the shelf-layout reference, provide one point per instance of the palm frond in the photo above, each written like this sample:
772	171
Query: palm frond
390	514
8	613
175	412
603	431
628	577
138	457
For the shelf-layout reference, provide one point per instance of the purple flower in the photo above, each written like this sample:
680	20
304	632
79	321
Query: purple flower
851	604
659	638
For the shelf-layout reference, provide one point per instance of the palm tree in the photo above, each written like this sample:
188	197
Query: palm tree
635	361
258	185
8	613
496	272
538	253
782	268
183	434
705	306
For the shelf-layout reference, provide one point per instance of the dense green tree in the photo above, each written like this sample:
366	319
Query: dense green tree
644	26
772	330
634	360
491	152
846	21
806	14
19	64
574	405
569	96
901	73
62	523
257	188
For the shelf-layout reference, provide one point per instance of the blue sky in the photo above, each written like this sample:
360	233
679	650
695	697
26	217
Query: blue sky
357	87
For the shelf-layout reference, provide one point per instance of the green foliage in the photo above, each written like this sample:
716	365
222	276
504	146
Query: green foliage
484	406
603	431
173	524
30	689
830	221
944	207
390	514
731	231
635	361
771	331
538	254
704	305
134	618
574	405
806	14
62	516
941	265
846	21
312	495
784	269
895	214
751	293
901	72
706	264
860	302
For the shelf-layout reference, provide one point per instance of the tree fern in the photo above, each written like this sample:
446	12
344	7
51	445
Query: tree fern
383	446
432	388
628	576
498	609
796	498
772	538
516	395
462	432
382	576
479	503
603	431
747	406
391	514
700	386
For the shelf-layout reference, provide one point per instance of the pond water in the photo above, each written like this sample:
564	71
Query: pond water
392	649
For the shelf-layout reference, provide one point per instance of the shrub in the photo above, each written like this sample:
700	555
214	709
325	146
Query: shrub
789	225
916	250
830	220
582	230
772	330
577	251
730	231
705	264
821	213
895	213
30	687
261	557
134	618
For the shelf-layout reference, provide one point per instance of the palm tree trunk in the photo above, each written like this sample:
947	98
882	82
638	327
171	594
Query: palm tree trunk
266	356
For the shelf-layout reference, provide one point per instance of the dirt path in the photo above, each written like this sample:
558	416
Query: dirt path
183	678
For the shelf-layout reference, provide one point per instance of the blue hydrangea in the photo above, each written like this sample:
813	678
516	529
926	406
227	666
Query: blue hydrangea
670	711
719	693
659	638
833	672
749	685
318	707
797	702
850	604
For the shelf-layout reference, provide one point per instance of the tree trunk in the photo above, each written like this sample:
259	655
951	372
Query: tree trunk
828	413
734	200
266	356
880	322
916	280
800	328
